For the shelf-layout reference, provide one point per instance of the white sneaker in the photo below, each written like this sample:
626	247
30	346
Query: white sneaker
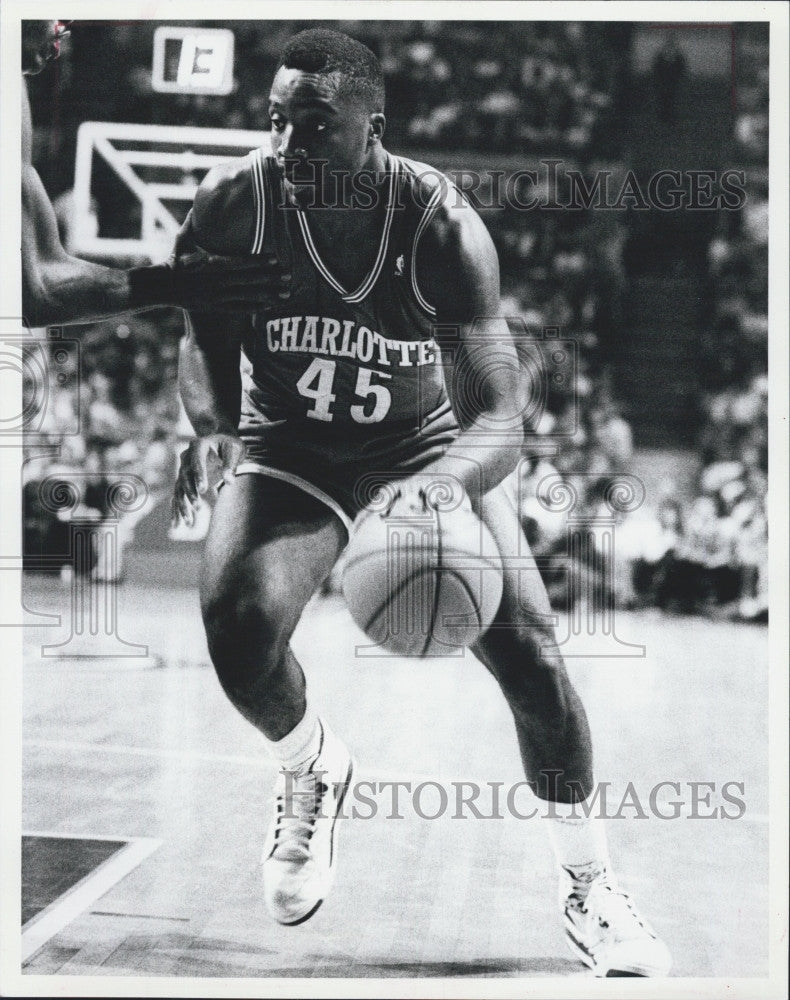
608	934
299	851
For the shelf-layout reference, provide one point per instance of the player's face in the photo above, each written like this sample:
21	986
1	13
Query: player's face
40	43
314	122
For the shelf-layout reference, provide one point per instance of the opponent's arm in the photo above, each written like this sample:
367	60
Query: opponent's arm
59	288
484	379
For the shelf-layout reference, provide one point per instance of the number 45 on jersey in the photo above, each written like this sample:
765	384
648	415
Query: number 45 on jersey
316	384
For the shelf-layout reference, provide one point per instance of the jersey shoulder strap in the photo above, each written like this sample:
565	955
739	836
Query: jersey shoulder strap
255	157
267	234
270	233
426	189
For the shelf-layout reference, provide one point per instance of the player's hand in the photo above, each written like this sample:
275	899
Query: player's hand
425	493
207	462
415	497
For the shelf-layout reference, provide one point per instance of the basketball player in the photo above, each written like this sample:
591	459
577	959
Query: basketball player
58	288
346	380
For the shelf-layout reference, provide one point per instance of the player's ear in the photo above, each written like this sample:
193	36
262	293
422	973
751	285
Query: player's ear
377	124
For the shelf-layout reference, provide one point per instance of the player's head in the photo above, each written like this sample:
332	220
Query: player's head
326	104
40	43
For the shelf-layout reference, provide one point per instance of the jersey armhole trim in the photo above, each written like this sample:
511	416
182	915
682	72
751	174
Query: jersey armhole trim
259	200
430	210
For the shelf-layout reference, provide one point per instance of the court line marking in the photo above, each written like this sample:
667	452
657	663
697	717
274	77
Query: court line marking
77	836
53	918
160	752
139	916
265	763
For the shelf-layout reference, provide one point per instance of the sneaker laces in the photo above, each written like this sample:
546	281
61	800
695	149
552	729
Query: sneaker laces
579	882
296	815
614	911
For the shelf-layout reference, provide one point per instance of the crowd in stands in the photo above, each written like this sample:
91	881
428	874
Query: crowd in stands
751	73
564	269
727	521
513	88
112	411
707	553
733	485
520	87
710	553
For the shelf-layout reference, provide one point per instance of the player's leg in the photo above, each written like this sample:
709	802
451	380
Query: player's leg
602	925
270	545
520	650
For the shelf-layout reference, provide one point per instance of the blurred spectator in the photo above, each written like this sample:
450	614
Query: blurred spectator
751	74
734	435
659	540
544	527
125	396
610	437
703	571
669	68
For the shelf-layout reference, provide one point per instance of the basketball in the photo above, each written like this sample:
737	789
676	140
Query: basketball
424	584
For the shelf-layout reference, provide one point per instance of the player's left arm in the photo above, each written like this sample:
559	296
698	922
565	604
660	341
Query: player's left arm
459	275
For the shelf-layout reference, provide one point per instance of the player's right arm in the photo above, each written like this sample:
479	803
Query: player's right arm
209	380
209	375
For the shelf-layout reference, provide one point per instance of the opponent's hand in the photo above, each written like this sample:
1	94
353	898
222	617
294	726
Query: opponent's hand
209	281
206	462
202	282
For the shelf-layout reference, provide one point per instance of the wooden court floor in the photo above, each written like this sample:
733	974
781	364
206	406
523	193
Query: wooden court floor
148	750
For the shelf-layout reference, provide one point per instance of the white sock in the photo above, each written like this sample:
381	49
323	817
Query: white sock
579	844
301	745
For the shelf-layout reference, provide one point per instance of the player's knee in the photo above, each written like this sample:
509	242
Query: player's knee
532	644
527	662
246	633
